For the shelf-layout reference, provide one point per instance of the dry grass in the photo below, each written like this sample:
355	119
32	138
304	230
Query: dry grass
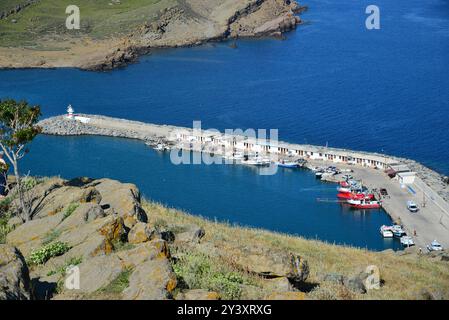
405	276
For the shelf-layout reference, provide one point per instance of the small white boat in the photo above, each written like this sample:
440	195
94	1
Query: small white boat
386	232
407	241
398	231
434	246
290	164
160	147
257	162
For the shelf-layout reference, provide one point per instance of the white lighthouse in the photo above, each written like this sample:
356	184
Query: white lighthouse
70	112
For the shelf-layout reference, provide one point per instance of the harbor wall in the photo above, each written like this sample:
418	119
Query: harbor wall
181	137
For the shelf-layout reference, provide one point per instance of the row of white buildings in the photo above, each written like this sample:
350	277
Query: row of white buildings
250	145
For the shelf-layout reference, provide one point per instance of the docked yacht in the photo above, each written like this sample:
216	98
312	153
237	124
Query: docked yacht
398	231
319	174
258	162
407	241
386	232
288	164
161	147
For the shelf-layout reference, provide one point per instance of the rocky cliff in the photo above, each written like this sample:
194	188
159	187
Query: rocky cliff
101	228
101	45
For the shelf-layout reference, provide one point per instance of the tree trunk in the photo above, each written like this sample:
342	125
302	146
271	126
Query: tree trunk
25	214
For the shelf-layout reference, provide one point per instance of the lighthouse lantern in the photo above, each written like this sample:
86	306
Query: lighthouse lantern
70	112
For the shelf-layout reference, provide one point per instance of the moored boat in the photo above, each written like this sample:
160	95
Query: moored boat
386	232
398	231
407	241
344	189
353	195
257	162
364	204
284	164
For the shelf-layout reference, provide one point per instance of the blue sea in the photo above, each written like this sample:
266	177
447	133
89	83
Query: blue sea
331	81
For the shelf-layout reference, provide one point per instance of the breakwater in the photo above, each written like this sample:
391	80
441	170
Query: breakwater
85	124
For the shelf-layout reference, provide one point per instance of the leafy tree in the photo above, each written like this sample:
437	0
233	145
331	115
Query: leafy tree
18	127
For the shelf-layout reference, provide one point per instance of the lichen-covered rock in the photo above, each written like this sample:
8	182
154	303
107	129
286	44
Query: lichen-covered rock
123	197
141	232
266	262
146	251
91	194
190	234
151	280
98	272
29	235
14	275
198	294
362	282
93	213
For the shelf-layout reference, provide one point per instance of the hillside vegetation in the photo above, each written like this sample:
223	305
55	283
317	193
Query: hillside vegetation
126	248
405	275
99	19
114	33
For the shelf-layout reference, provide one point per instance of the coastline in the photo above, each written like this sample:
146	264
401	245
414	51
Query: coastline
436	211
175	26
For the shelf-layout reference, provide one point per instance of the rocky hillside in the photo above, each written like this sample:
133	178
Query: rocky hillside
114	33
124	248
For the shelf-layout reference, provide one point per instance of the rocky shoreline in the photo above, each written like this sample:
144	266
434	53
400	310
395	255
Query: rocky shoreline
188	23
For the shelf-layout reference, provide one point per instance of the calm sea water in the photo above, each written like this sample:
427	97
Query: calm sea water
286	202
331	81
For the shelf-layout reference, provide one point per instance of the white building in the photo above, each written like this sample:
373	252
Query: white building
406	177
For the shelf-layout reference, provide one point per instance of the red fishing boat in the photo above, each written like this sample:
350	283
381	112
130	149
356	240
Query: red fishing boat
344	189
364	204
355	196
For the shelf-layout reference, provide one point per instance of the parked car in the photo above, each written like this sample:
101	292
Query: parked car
435	246
412	206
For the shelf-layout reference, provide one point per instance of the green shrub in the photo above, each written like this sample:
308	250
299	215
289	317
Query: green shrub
4	227
5	205
196	271
48	251
29	183
69	210
4	230
118	284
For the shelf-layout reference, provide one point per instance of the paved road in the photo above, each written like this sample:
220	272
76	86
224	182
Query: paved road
430	222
